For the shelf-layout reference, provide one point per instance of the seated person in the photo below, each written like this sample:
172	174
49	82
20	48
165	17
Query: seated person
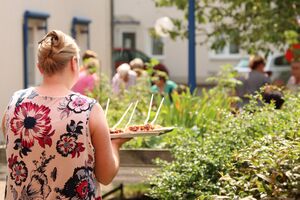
123	79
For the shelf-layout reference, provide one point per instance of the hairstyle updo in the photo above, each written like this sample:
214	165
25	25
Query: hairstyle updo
55	50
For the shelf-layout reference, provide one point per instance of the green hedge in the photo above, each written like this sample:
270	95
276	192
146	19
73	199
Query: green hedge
219	153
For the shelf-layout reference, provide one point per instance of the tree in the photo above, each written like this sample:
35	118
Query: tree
254	25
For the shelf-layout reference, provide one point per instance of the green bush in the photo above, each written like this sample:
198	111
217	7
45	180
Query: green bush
268	169
206	154
218	152
201	159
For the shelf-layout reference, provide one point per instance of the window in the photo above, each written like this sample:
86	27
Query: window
157	48
80	32
280	61
34	28
128	40
155	45
231	50
234	48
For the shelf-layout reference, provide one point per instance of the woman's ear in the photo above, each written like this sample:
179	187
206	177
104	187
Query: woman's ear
40	69
74	64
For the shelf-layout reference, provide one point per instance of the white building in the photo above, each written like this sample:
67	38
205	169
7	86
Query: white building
132	21
25	22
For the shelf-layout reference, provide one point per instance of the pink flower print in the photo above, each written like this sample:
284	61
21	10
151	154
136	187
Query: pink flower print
78	104
30	122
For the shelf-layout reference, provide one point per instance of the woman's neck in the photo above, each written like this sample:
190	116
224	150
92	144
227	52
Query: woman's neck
53	86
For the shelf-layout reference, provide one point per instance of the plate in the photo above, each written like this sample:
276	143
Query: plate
155	132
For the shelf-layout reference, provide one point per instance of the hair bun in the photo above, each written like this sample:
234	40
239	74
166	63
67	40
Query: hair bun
55	51
57	38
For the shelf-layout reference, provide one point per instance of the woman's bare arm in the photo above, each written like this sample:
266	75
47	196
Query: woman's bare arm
3	124
106	151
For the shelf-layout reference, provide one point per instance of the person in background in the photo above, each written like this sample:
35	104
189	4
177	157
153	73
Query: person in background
162	84
88	76
137	65
123	79
161	67
89	54
58	144
294	82
253	81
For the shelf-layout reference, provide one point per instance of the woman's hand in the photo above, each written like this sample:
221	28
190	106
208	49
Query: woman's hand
118	142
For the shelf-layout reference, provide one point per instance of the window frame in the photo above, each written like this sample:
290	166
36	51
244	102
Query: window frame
79	21
152	47
149	47
28	15
226	55
133	33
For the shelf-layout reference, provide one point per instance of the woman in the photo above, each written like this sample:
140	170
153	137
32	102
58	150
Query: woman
123	79
58	143
88	77
137	65
162	84
294	82
253	82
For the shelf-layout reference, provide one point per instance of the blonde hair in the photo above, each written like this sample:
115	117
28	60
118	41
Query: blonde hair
123	69
55	50
137	63
92	65
89	54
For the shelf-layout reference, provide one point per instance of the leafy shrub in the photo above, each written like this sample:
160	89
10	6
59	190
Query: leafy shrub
206	154
202	158
218	153
268	169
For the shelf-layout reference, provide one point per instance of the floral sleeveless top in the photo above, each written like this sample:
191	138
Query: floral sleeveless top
49	150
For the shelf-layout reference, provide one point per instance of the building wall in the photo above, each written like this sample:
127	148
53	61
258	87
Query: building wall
176	52
61	14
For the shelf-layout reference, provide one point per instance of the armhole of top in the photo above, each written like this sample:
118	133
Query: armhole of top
88	121
6	116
